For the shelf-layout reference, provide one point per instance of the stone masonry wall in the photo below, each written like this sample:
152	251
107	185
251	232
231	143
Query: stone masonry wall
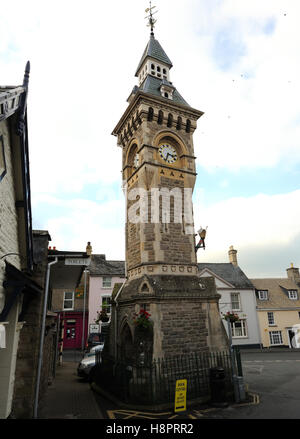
183	327
8	244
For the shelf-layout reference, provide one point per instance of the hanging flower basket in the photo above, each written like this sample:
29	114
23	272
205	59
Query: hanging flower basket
142	320
231	316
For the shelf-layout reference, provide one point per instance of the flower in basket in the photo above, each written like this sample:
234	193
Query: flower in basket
231	316
142	319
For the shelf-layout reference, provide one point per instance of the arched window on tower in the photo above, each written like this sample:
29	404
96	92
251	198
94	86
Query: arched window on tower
160	117
150	114
129	129
170	120
179	123
188	126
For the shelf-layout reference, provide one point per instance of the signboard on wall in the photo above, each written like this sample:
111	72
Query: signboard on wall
94	327
77	261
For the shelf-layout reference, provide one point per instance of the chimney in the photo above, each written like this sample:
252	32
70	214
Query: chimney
89	249
232	256
293	273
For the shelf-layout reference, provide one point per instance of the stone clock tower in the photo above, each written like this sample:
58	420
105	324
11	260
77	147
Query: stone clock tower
155	134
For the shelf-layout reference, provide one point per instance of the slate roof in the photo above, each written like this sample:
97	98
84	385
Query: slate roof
101	267
152	86
154	50
277	293
228	272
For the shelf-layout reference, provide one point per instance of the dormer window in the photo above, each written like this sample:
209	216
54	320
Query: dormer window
166	95
263	294
293	294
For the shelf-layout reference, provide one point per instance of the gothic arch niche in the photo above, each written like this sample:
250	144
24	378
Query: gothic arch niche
126	343
132	159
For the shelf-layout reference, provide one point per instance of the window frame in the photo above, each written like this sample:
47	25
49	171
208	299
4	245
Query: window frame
103	306
103	282
290	292
266	294
244	329
271	321
273	334
239	301
68	300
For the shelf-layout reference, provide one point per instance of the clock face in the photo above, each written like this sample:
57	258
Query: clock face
168	153
136	160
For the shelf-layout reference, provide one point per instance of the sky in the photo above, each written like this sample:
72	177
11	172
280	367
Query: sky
238	61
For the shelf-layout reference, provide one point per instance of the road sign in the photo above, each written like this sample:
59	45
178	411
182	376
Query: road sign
180	396
94	328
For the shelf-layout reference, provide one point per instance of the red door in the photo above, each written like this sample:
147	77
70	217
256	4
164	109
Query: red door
73	326
71	334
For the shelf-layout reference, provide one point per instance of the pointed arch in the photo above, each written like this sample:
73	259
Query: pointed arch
160	117
150	114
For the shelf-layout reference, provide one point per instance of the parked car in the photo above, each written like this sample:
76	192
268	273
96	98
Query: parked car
88	362
94	339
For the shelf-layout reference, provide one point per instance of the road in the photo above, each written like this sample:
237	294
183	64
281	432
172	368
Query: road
275	377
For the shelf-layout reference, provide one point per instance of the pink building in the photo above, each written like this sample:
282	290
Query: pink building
103	276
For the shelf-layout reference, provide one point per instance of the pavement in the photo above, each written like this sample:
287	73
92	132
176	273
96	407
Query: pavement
69	397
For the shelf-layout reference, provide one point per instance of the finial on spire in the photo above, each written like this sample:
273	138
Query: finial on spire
152	21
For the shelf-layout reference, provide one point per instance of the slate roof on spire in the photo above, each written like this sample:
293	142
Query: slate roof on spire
152	86
154	50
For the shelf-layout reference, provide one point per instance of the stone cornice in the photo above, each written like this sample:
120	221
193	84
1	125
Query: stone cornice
138	98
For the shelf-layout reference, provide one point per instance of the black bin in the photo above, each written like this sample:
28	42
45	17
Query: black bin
217	385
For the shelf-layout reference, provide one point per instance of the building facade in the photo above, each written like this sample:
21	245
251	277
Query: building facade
237	295
22	263
70	297
103	276
278	309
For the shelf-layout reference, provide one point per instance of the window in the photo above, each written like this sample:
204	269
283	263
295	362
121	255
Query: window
239	328
235	301
271	320
160	117
68	300
150	114
166	95
164	71
293	294
106	282
158	68
106	304
170	121
188	126
263	294
179	122
275	337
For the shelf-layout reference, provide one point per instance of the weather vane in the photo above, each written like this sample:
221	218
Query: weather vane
152	21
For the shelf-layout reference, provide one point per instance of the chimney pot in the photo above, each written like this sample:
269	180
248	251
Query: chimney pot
232	256
89	248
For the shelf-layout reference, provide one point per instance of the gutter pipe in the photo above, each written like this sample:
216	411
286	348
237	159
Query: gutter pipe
42	338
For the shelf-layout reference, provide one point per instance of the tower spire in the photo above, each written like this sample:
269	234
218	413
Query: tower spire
150	18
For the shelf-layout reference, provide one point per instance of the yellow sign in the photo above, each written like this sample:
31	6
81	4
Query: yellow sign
180	395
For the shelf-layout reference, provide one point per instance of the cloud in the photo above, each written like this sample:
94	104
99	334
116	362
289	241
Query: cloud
238	61
254	226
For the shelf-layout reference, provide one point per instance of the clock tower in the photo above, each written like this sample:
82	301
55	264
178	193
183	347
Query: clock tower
155	135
